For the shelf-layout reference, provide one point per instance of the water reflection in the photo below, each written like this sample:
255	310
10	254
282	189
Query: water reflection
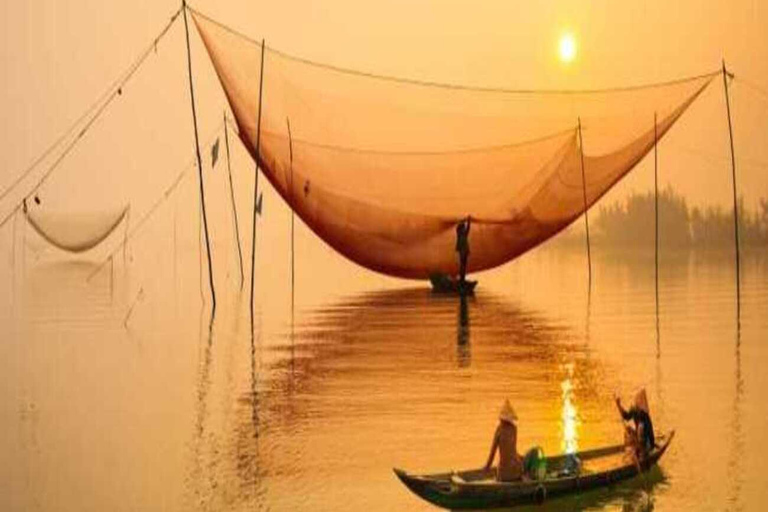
463	348
735	464
312	415
569	415
281	416
630	496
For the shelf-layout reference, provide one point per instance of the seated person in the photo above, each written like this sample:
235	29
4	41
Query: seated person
505	442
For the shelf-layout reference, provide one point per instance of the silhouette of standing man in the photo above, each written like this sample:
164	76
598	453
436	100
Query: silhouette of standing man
462	247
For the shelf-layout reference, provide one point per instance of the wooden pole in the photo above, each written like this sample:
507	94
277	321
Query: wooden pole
175	250
234	207
293	217
199	163
656	209
586	217
126	233
256	179
735	200
13	262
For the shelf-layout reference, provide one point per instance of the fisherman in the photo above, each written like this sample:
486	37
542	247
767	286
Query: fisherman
641	437
505	441
462	247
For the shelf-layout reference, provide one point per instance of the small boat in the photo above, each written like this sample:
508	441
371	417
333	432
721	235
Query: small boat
478	489
443	283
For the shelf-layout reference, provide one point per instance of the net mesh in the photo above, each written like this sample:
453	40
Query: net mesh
74	233
382	169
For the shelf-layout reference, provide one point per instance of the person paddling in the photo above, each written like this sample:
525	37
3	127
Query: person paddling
641	437
505	442
462	247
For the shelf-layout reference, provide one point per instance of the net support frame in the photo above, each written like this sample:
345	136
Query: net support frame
199	164
735	198
293	217
586	216
256	181
234	204
656	213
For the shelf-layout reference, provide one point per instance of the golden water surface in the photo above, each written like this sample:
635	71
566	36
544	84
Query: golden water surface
118	394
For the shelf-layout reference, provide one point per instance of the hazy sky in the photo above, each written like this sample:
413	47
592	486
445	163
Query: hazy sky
57	57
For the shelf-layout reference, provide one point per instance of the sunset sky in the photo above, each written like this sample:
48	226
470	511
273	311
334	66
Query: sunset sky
57	58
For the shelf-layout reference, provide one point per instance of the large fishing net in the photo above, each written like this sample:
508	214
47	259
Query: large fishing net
383	169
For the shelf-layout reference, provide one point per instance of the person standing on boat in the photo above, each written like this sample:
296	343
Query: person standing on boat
641	437
462	247
505	442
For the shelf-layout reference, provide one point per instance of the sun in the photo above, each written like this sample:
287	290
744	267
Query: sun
567	47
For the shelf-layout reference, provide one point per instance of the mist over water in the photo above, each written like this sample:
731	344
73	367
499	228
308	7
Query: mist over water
163	409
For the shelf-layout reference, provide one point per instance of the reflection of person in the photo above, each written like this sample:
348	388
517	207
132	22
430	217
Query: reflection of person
462	246
641	437
462	334
505	441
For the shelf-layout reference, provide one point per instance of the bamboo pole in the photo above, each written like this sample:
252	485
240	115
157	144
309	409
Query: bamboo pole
293	218
199	163
256	179
735	200
586	217
234	207
656	210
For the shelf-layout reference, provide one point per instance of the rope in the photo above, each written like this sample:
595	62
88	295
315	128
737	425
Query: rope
94	111
446	85
166	194
234	204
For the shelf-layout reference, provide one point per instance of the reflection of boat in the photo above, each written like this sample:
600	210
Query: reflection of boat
442	283
473	489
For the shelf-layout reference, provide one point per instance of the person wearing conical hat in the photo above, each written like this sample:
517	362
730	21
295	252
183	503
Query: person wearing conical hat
641	437
462	246
505	442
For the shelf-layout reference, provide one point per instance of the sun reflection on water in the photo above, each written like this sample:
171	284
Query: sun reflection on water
569	442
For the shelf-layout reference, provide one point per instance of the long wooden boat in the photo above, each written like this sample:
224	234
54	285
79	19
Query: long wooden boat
477	489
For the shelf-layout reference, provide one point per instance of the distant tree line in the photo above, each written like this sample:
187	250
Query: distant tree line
631	223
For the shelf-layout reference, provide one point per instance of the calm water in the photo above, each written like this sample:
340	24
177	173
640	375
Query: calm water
117	394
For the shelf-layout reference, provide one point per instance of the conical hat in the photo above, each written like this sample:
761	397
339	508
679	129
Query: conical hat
507	413
641	401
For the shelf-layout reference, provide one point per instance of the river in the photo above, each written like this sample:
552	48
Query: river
119	394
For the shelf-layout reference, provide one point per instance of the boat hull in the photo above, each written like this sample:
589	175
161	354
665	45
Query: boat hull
452	492
444	284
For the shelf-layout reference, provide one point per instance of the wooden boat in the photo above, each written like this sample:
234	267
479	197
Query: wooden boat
477	489
442	283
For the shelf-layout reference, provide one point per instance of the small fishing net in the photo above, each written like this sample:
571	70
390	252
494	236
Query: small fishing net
74	232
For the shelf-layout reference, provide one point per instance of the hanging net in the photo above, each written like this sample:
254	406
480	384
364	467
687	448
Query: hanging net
74	233
383	169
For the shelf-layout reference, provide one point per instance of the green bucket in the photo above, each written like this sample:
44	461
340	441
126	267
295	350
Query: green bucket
535	463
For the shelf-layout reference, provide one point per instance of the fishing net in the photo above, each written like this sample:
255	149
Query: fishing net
74	233
382	169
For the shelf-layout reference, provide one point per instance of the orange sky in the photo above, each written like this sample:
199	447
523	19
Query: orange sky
57	59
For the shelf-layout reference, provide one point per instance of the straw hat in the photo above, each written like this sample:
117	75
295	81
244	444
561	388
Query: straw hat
507	413
641	401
